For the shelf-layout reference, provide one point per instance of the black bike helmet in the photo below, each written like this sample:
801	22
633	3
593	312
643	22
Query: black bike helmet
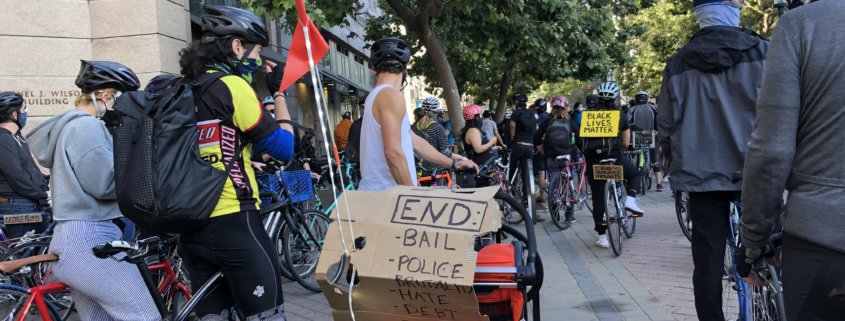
520	98
390	50
487	113
95	75
641	97
542	102
10	102
225	21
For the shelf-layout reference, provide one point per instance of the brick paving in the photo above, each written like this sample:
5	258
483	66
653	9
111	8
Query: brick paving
650	281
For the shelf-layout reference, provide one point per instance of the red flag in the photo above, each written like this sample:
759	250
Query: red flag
297	63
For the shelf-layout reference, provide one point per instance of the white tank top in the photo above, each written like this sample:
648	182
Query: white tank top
375	174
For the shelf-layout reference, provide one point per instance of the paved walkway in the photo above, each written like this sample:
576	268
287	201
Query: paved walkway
650	281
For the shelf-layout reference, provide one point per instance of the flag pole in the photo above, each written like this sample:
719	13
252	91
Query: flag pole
318	94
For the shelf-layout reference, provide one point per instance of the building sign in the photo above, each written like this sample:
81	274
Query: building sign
49	98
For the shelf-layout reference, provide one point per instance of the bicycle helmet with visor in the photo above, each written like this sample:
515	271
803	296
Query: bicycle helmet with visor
95	75
225	21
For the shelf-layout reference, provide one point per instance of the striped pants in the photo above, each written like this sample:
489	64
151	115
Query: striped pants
101	289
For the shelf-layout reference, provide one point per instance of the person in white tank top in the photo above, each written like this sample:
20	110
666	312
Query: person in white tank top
387	143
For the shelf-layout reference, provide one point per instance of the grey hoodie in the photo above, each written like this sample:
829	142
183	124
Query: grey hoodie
77	149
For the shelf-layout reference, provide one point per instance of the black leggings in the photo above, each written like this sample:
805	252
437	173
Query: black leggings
237	245
521	156
633	178
810	272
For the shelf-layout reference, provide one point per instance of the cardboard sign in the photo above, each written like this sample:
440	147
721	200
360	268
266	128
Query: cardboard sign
608	173
22	219
418	262
600	123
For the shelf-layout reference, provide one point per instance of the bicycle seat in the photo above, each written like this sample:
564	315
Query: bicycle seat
565	158
14	265
607	160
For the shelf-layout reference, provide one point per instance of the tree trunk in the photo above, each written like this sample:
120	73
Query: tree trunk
504	85
435	51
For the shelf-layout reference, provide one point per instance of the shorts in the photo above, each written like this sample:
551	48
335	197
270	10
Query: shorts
539	161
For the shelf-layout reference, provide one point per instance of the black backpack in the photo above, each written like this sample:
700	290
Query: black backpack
162	184
557	140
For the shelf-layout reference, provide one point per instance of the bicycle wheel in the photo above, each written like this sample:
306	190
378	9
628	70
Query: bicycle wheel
765	303
561	203
509	214
682	211
12	299
302	251
613	217
732	289
630	225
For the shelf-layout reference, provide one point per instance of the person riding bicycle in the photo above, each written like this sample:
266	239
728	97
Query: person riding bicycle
799	123
643	121
233	241
387	143
706	112
23	189
554	139
597	149
523	125
77	148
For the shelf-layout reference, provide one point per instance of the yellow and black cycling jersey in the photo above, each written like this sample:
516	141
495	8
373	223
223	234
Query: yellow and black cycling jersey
230	118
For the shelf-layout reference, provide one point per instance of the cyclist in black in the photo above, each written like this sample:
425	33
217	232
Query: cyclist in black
523	125
643	126
597	149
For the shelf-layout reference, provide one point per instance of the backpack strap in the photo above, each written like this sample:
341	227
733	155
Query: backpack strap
198	87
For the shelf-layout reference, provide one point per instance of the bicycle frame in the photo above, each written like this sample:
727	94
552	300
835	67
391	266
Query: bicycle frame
733	242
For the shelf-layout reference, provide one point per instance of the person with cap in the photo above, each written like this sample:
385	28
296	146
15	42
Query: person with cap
77	149
341	130
23	189
793	148
387	143
707	98
227	58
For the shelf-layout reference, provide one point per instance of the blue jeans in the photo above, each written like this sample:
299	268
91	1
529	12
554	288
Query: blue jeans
22	205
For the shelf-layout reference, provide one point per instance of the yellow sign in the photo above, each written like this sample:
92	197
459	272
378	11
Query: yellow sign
600	123
608	173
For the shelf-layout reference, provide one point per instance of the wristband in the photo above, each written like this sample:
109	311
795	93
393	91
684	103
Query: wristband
454	163
279	93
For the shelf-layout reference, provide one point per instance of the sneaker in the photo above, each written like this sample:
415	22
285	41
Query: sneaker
659	187
603	242
631	205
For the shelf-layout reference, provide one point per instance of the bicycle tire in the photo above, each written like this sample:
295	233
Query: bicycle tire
630	225
176	303
531	205
510	216
682	212
562	203
613	217
298	249
12	298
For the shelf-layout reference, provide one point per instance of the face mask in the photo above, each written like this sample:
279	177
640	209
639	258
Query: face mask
22	119
248	67
111	118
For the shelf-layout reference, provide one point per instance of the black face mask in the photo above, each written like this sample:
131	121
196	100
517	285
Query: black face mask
112	118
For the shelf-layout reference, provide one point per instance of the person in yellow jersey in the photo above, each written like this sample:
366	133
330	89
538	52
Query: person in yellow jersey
232	121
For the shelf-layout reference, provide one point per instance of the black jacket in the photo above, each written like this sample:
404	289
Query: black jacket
19	177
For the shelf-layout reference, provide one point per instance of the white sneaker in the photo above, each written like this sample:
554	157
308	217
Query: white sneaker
631	205
603	242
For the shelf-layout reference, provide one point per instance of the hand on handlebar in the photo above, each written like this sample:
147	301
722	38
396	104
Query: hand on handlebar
466	164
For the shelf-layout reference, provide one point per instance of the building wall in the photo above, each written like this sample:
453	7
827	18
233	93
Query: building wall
44	40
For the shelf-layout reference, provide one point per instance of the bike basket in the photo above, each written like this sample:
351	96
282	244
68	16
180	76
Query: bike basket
268	183
298	184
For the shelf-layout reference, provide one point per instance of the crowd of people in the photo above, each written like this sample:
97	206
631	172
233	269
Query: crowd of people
729	100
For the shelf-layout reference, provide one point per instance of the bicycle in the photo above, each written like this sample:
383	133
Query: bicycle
682	212
643	159
494	172
750	303
524	189
617	219
566	193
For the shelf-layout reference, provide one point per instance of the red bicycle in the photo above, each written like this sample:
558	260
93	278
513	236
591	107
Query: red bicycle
571	191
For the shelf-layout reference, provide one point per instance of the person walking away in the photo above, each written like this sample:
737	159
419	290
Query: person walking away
233	241
23	189
539	161
553	139
799	115
707	98
597	149
77	148
353	147
523	125
387	144
643	120
491	128
341	131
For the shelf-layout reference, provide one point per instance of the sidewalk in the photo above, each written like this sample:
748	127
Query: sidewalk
652	280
